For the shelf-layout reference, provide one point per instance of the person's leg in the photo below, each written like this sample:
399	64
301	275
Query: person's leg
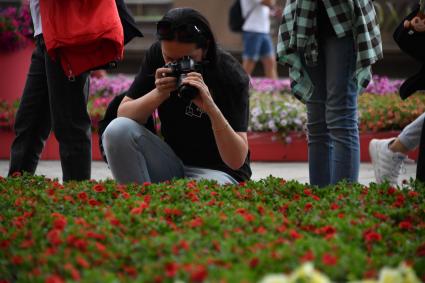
411	135
341	107
387	155
135	154
319	143
32	123
268	57
70	120
251	48
198	173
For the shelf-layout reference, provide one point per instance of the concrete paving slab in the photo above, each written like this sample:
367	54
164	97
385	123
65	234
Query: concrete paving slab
286	170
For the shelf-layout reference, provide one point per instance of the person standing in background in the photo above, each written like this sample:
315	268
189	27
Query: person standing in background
51	101
257	42
329	47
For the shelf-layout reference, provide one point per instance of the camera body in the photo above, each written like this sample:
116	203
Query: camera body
180	69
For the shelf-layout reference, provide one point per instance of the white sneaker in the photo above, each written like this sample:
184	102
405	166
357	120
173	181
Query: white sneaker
386	163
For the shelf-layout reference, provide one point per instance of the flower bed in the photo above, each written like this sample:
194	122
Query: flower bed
275	114
16	30
201	232
272	108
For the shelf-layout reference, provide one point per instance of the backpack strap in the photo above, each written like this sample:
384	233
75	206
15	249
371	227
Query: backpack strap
251	10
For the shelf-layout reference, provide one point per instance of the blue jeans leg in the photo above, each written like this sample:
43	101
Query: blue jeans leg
333	136
137	155
411	134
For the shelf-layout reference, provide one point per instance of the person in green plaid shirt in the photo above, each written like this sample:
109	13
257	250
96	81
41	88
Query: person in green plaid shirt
329	47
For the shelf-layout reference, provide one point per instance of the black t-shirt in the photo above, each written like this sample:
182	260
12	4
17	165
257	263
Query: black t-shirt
186	129
324	24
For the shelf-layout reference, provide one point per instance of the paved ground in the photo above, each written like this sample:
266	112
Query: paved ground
289	170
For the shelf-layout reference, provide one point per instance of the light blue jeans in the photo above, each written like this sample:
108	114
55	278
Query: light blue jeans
137	155
411	135
333	135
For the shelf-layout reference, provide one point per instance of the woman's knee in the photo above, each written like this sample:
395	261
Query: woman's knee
121	131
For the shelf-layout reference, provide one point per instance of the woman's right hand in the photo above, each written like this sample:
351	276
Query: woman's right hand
165	83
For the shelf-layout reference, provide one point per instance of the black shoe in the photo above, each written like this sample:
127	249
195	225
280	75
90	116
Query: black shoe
413	84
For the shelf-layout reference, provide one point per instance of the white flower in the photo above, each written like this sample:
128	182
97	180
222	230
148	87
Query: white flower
307	273
274	278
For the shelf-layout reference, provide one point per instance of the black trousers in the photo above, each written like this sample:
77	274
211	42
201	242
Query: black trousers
420	169
52	102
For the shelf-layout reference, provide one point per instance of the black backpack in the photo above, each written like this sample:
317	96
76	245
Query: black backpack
236	19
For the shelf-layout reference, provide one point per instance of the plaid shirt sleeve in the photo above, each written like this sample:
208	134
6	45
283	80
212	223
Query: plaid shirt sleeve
296	32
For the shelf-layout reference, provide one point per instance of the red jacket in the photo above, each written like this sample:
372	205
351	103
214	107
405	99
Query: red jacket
82	34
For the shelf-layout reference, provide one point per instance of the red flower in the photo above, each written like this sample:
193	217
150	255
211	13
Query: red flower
196	222
54	279
260	210
405	225
99	188
316	198
308	206
136	211
295	235
308	256
82	262
96	236
328	259
261	230
130	270
399	201
100	247
53	236
371	236
171	269
192	196
59	223
334	206
82	196
16	174
380	216
198	274
17	260
172	212
254	262
75	274
420	251
93	202
27	243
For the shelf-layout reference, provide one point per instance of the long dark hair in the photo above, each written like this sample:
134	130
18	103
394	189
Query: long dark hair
184	16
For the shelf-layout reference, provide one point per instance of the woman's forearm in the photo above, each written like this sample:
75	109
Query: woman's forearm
140	109
232	146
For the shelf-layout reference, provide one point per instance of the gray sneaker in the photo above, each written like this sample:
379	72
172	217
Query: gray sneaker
386	163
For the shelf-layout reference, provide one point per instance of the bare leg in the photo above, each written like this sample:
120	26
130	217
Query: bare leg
269	65
248	65
397	146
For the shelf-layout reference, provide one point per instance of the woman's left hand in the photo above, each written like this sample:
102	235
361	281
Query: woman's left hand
204	99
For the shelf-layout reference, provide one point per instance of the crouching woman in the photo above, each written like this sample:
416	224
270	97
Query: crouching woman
201	93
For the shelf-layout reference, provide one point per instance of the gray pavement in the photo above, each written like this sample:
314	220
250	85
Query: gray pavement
286	170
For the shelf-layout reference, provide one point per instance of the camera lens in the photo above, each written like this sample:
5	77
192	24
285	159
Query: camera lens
187	92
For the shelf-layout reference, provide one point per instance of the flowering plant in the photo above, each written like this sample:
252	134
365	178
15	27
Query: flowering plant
188	231
272	107
102	91
16	28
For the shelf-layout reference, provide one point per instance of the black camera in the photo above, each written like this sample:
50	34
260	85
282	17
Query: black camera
180	69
